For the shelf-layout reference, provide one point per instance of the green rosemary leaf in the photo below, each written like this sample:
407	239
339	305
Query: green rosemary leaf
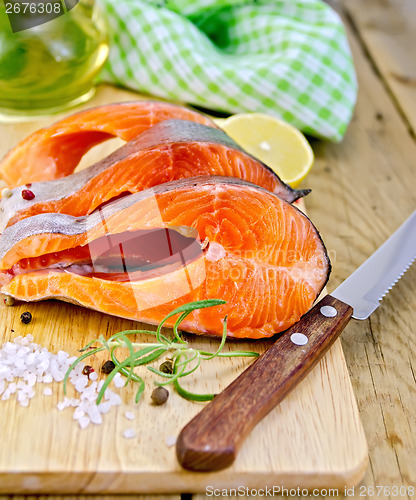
175	326
185	374
148	359
191	306
131	351
223	339
194	355
186	360
138	356
85	348
103	341
140	391
158	372
135	332
191	396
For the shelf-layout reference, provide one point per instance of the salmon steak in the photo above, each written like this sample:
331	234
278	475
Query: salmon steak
170	150
55	151
192	239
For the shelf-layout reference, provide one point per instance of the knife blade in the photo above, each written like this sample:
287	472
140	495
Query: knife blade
211	440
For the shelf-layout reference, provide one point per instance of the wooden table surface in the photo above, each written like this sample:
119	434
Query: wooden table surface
363	189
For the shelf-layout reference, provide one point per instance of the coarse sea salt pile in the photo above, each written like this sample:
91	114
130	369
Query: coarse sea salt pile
24	363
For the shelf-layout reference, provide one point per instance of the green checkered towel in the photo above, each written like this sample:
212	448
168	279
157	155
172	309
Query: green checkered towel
283	57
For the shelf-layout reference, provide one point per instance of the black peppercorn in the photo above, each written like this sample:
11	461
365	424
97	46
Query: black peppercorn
166	367
26	317
160	396
108	367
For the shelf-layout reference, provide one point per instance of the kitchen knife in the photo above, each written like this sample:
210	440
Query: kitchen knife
212	439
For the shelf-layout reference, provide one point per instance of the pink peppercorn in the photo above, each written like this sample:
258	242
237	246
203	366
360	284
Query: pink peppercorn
27	194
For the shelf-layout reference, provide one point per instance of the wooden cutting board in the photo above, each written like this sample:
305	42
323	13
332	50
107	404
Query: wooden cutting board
314	439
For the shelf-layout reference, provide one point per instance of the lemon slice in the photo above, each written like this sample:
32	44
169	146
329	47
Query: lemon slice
277	144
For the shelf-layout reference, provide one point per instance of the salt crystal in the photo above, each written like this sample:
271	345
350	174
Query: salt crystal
23	363
30	359
67	401
81	384
4	370
15	372
129	415
170	441
108	394
47	378
22	352
58	376
90	392
61	405
62	357
19	363
83	422
115	400
6	395
129	433
9	348
21	395
104	407
30	393
78	369
118	381
78	413
93	386
95	415
43	365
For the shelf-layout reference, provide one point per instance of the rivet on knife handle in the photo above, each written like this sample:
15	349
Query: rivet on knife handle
212	439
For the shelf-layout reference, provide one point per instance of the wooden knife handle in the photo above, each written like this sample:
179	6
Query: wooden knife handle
211	440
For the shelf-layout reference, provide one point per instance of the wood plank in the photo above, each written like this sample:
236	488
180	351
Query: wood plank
388	30
314	437
53	455
366	184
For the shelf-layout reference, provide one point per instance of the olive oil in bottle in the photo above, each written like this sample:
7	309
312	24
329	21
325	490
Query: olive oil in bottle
52	66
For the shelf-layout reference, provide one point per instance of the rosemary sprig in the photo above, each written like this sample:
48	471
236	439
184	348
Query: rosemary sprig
186	359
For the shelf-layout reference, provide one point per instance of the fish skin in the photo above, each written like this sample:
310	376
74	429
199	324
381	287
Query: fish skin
266	292
164	138
55	151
